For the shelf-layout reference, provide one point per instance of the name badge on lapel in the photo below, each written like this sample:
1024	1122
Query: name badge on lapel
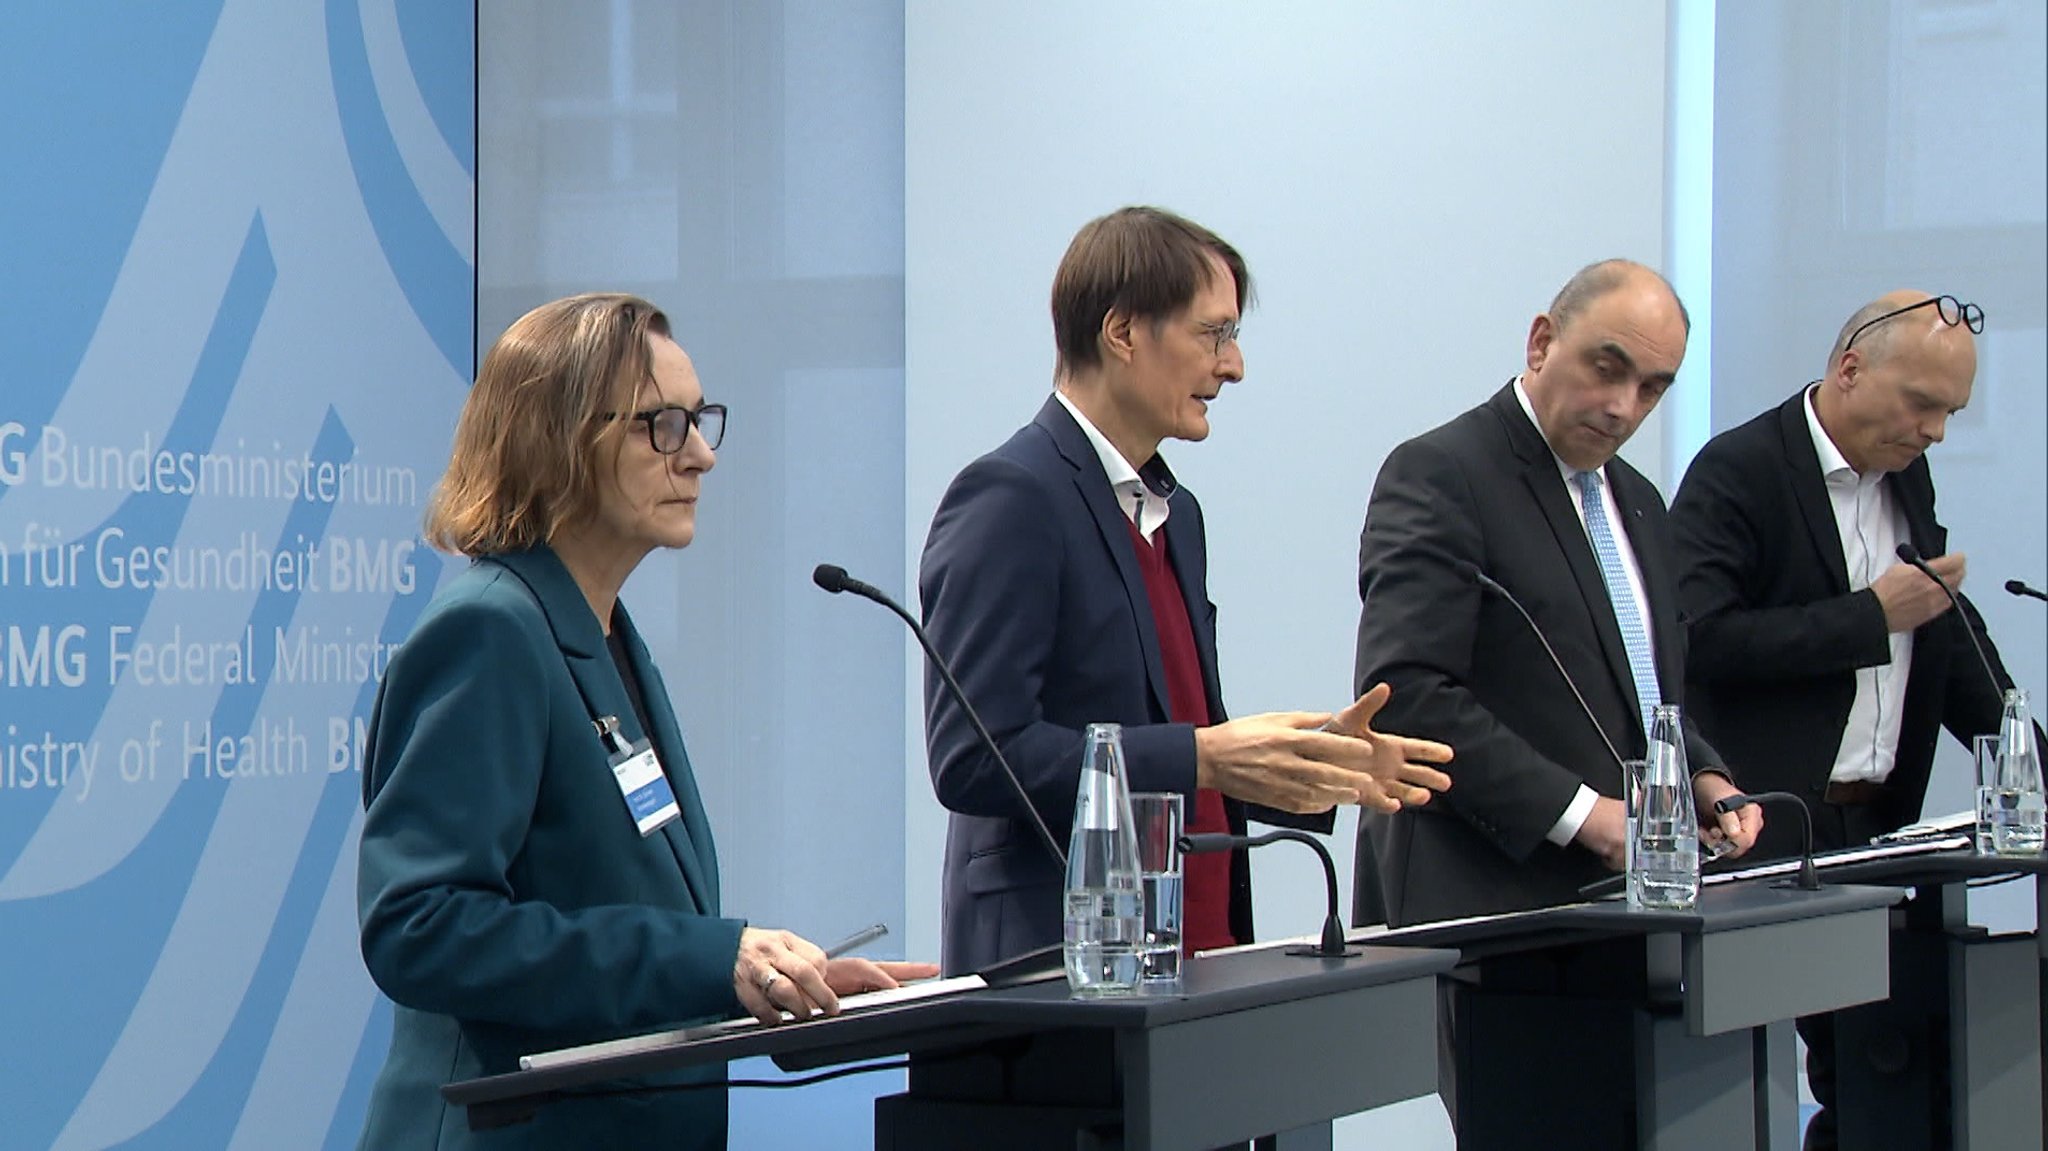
637	770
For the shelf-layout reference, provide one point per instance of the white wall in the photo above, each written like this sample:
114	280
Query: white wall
1409	184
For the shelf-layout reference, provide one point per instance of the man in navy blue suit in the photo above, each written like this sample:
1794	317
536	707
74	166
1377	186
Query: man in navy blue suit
1065	579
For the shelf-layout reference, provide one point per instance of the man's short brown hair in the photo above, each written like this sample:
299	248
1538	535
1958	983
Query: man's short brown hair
542	416
1145	263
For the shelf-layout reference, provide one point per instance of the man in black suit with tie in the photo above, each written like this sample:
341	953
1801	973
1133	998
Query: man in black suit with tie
1820	662
1526	488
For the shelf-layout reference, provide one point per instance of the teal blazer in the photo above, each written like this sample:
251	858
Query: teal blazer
508	904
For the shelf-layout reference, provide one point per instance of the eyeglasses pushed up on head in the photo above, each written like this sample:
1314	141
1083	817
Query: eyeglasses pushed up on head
1951	310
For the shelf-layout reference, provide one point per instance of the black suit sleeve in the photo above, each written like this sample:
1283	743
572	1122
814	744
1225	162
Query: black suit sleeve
1700	755
1723	564
1418	630
1971	708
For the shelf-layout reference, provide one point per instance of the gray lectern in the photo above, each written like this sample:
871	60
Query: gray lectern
1953	1057
1261	1042
1594	1026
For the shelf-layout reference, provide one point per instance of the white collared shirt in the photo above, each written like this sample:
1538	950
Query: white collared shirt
1145	508
1871	526
1581	806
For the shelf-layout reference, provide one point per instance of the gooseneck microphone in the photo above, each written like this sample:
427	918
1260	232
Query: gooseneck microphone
1808	879
1332	945
1492	585
834	579
1910	554
1038	962
2017	588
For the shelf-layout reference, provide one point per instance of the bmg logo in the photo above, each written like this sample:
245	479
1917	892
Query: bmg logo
13	457
30	659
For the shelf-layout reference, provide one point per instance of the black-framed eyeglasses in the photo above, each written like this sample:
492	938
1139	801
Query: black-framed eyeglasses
1219	334
668	426
1952	311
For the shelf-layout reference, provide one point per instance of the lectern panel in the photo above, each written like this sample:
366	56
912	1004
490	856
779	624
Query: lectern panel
1750	976
1223	1078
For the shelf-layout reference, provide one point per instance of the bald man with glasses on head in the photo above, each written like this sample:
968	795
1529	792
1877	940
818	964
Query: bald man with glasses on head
1820	662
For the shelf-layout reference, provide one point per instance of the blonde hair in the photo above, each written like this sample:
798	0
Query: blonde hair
541	416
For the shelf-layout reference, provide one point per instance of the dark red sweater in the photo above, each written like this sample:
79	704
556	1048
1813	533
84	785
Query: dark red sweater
1206	913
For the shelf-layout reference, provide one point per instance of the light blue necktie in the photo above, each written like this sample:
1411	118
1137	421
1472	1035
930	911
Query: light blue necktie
1635	638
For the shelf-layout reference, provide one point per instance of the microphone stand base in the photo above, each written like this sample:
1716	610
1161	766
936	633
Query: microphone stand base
1311	951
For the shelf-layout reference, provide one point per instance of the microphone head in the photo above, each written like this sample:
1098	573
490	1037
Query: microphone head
2015	587
1908	553
1728	803
831	577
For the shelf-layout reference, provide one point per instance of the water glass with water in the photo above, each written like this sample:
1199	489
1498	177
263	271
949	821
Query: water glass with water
1631	808
1984	748
1104	902
1157	816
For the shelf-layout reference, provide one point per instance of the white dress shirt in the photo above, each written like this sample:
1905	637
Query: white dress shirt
1581	806
1145	508
1871	526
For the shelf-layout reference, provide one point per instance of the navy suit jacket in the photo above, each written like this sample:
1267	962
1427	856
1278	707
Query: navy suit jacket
1484	490
1777	636
507	902
1031	590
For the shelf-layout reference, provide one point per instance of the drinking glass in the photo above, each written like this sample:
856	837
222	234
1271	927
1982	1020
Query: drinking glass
1985	747
1632	808
1157	816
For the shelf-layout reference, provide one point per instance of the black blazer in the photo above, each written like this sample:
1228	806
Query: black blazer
1032	592
1484	490
1777	636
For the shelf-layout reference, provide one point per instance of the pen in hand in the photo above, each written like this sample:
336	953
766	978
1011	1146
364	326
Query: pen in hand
861	938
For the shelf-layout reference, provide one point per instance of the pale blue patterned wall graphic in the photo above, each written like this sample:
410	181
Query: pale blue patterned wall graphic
236	300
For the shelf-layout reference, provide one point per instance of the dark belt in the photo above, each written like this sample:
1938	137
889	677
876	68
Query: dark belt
1856	793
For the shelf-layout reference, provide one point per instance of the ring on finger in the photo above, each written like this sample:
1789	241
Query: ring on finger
767	982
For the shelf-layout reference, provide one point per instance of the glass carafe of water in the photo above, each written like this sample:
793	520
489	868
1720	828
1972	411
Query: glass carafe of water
1664	855
1105	908
2015	804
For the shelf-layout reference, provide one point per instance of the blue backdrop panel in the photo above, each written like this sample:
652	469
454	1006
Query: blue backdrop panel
236	306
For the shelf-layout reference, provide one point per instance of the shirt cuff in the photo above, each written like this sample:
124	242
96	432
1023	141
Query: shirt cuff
1567	827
